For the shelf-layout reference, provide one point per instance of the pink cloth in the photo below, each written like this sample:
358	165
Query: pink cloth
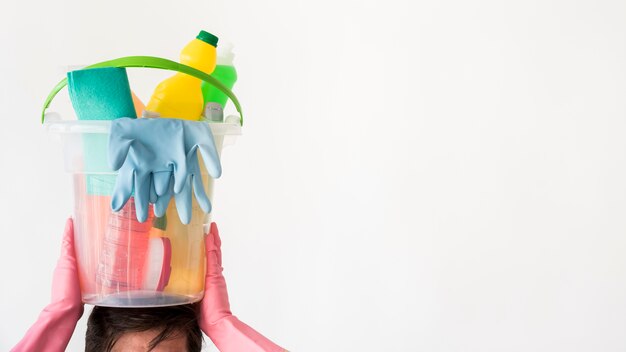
227	332
57	321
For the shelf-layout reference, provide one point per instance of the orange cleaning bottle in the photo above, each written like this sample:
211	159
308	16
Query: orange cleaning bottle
180	96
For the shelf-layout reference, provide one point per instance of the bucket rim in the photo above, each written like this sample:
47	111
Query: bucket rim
230	126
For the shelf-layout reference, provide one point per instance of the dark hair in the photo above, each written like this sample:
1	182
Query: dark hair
106	325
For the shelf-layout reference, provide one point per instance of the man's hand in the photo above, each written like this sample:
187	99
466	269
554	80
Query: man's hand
57	321
215	305
227	332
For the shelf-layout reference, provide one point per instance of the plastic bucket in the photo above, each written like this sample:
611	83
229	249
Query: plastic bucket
122	262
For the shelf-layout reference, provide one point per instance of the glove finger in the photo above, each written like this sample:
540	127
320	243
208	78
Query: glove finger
160	207
218	243
210	156
65	286
211	159
180	175
118	148
201	196
183	202
214	258
162	182
215	304
213	243
177	148
214	268
123	188
68	254
153	194
142	195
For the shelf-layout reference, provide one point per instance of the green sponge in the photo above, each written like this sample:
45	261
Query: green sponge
99	94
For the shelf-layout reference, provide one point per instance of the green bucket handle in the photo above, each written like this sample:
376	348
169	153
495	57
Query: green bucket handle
151	62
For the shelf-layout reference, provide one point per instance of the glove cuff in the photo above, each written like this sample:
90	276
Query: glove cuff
53	329
229	334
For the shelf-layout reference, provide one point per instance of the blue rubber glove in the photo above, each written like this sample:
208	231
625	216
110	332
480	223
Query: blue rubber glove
195	140
157	158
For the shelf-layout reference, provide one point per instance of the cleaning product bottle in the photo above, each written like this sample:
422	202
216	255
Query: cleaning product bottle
158	260
125	246
139	105
225	73
187	251
180	96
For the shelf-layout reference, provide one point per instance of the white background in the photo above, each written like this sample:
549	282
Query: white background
413	175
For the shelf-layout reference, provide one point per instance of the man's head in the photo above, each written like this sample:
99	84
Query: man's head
159	329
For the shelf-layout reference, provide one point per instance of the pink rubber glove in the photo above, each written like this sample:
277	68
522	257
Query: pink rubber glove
227	332
57	321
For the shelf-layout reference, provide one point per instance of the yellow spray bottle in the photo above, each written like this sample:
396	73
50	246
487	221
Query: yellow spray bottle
180	96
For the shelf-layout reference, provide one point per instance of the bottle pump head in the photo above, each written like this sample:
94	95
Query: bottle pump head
225	54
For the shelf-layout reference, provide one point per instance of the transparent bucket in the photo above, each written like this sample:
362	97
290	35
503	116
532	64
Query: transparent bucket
121	261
